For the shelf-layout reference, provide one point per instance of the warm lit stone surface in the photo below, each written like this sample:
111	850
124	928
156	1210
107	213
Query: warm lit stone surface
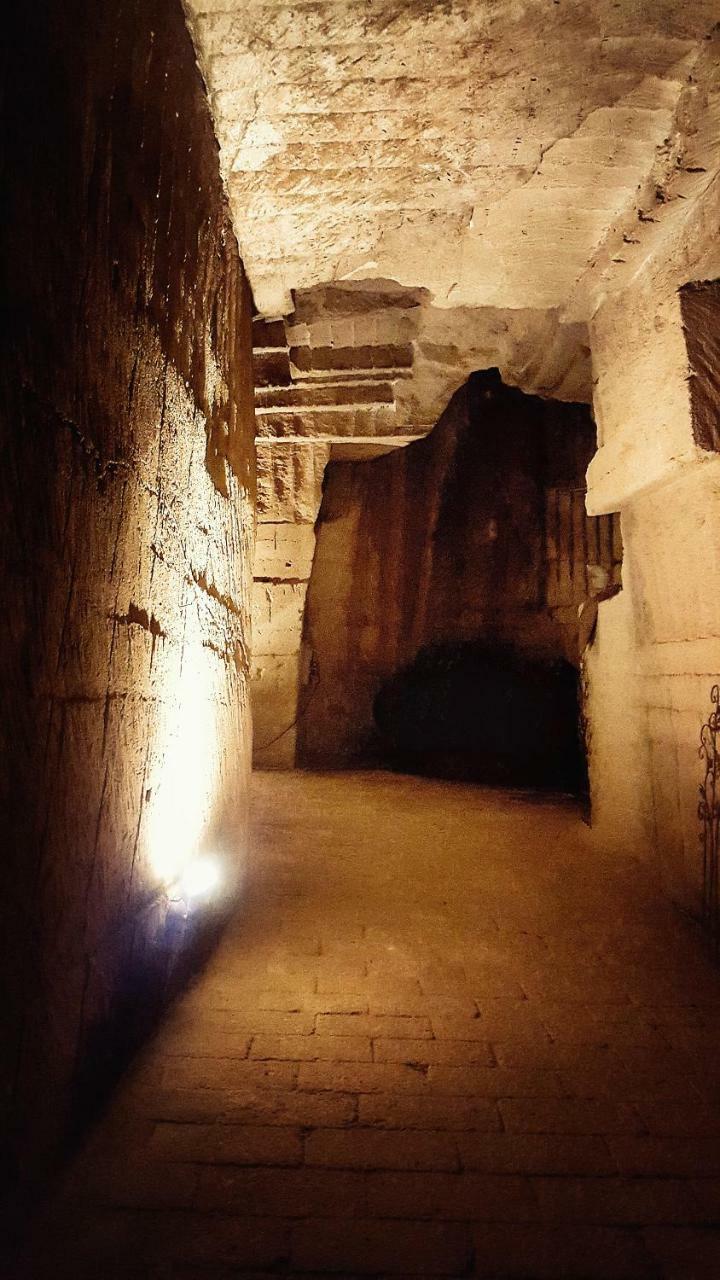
126	509
657	655
446	1034
515	168
475	536
486	151
357	371
289	492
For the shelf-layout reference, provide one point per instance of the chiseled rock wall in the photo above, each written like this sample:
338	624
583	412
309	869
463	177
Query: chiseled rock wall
126	508
356	371
657	653
476	534
289	491
484	151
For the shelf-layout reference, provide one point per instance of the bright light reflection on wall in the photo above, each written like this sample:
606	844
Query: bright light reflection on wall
187	763
201	879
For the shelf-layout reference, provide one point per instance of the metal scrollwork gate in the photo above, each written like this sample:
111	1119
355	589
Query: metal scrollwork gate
709	814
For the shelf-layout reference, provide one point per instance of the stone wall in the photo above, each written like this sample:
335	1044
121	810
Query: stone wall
656	660
665	654
126	508
289	490
485	152
477	534
359	369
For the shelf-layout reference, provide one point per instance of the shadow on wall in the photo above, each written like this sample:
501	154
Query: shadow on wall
448	579
471	712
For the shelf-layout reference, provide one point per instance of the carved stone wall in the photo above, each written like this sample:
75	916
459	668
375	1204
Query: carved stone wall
486	152
477	534
700	310
289	490
126	510
657	654
356	371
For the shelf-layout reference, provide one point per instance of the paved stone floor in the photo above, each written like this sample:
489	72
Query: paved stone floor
444	1035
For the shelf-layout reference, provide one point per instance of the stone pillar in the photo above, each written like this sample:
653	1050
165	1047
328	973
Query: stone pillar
657	652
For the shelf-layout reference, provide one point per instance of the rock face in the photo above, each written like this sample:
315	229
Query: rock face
700	310
419	190
356	371
126	507
425	190
289	492
484	151
474	539
658	653
541	180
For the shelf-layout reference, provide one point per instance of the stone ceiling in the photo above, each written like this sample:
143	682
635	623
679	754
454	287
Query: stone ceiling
488	152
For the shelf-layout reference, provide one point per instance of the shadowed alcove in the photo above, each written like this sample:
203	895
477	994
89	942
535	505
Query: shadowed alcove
448	601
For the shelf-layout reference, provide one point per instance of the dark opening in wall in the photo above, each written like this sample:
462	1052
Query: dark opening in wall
452	593
484	713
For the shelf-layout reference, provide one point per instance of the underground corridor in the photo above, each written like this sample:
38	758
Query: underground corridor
360	640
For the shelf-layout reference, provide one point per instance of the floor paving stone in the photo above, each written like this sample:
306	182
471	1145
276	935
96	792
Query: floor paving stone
365	1148
444	1034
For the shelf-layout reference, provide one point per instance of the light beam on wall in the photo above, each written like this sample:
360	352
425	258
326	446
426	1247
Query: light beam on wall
200	881
187	773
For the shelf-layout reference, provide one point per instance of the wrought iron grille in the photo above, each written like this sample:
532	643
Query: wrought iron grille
709	814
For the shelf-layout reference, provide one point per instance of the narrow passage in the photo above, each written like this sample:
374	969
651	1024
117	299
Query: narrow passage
445	1034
